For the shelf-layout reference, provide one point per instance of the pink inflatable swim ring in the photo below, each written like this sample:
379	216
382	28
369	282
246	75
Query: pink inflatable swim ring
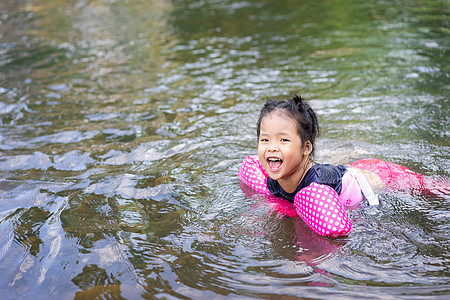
318	205
401	178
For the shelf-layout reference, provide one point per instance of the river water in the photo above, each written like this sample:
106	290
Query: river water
123	125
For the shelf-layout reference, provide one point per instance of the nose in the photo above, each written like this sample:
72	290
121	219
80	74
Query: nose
272	147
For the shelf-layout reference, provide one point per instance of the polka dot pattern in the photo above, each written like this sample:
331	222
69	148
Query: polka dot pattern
253	174
319	207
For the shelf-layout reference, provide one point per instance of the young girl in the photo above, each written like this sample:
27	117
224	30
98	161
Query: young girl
284	168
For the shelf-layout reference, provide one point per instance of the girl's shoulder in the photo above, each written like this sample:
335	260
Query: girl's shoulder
327	174
327	171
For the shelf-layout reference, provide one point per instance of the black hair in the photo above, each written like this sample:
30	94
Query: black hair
300	112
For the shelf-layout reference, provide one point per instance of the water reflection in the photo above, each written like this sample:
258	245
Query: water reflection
123	125
290	238
95	282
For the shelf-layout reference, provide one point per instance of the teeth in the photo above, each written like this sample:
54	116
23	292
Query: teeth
274	159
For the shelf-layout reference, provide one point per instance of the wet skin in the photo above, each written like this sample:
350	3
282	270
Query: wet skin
281	152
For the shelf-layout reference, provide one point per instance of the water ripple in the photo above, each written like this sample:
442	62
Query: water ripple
124	123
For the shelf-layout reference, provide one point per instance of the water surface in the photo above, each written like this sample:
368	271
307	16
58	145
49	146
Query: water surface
123	125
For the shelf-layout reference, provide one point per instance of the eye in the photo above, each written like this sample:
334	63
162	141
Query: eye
284	140
264	140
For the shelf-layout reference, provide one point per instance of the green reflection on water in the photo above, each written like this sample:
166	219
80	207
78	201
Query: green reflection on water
160	99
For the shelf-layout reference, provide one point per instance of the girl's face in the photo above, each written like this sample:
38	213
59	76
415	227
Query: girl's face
280	150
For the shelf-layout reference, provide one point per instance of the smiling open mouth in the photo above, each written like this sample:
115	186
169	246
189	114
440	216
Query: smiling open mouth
274	163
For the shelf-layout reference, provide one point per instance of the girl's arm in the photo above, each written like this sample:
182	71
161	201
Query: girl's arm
319	207
253	174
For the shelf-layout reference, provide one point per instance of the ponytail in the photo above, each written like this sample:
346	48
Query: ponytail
307	121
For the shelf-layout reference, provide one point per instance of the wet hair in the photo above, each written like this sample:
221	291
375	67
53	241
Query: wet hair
300	112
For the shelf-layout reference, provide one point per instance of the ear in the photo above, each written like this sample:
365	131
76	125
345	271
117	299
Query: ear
308	148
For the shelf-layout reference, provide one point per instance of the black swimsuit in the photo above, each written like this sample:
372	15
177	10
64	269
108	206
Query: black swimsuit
319	173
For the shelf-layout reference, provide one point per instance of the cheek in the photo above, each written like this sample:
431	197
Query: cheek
260	148
261	155
291	154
